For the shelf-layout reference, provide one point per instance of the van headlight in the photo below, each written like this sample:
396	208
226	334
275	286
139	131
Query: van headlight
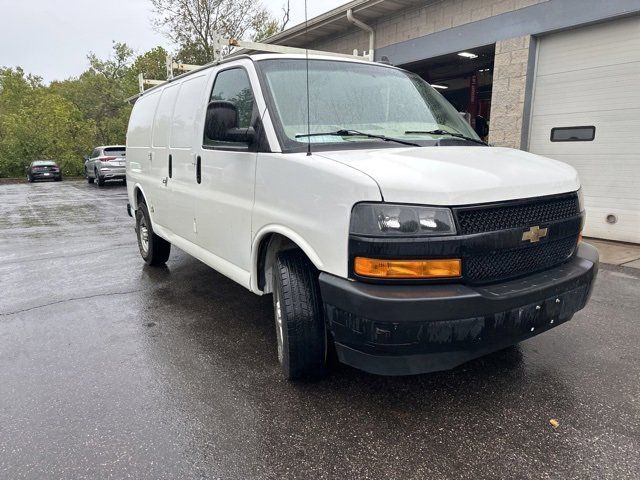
384	219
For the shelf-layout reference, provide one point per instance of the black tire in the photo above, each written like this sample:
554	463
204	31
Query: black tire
299	317
157	250
29	179
59	179
89	179
99	180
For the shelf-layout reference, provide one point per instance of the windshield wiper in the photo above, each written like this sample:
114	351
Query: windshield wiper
445	132
356	133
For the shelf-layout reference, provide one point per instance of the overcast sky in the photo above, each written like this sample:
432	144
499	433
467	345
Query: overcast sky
51	38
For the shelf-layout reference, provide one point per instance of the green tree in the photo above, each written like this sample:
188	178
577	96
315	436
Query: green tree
36	123
100	94
265	26
67	119
194	24
152	64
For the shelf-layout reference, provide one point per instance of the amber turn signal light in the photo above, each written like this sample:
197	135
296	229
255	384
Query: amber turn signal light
376	268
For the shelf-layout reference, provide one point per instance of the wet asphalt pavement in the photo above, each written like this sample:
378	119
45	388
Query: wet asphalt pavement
110	369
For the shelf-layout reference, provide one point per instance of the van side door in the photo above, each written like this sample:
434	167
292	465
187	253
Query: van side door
162	164
228	154
187	111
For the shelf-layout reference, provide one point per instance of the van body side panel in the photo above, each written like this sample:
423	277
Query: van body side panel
220	265
158	190
225	196
186	120
312	196
139	144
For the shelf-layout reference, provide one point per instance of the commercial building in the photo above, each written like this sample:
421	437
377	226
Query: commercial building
560	78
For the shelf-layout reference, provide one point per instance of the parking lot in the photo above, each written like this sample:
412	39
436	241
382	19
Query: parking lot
110	369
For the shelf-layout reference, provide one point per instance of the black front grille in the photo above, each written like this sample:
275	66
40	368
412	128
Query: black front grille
519	214
501	265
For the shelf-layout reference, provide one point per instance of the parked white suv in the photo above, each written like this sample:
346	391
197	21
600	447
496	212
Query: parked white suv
383	226
106	163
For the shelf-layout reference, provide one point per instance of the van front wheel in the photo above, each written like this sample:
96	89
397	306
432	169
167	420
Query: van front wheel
154	250
300	327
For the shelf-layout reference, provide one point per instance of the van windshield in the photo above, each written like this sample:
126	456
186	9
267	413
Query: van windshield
346	96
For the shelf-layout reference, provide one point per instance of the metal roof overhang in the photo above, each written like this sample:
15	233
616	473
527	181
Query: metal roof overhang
335	22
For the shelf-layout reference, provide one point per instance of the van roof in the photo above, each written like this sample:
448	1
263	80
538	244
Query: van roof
262	56
315	56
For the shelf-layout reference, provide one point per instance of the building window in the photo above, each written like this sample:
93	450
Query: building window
573	134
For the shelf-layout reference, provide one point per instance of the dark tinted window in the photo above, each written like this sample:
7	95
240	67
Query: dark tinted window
115	151
573	134
232	90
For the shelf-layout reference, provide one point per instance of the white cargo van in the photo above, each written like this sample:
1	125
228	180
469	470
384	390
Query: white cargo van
385	229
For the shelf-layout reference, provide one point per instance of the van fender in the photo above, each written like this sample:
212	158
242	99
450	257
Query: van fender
134	200
285	232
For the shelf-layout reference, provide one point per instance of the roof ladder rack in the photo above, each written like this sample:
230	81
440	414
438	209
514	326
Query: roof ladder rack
222	44
146	81
172	66
224	47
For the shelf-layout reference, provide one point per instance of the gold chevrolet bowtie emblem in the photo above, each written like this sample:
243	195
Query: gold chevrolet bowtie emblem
534	234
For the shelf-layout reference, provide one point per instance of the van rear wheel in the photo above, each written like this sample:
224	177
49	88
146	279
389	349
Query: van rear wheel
299	317
153	249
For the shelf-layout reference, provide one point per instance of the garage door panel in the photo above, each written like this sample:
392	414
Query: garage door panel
592	46
624	230
591	77
606	180
582	91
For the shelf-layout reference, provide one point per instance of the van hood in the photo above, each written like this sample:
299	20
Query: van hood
459	175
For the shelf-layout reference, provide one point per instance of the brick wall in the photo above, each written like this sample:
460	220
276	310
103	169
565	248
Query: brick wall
509	88
433	16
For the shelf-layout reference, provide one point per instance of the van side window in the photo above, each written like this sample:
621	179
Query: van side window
231	110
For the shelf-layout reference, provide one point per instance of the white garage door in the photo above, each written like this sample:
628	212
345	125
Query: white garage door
590	77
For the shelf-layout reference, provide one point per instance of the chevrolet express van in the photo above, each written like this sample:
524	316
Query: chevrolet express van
387	232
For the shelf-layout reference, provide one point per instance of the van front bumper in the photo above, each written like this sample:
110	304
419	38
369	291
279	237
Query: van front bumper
413	329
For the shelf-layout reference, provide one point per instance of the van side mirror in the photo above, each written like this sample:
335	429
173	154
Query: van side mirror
222	124
86	158
241	135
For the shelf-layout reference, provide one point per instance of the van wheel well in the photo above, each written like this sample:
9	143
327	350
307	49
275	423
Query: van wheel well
139	198
270	247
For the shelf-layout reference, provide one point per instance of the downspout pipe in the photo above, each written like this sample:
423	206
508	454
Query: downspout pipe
363	26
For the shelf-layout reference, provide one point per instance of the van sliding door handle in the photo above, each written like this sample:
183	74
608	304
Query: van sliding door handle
199	169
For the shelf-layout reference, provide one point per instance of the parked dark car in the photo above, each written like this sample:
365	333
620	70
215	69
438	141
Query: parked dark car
44	170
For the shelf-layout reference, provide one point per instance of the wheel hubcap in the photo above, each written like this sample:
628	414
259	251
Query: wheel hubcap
144	235
279	330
